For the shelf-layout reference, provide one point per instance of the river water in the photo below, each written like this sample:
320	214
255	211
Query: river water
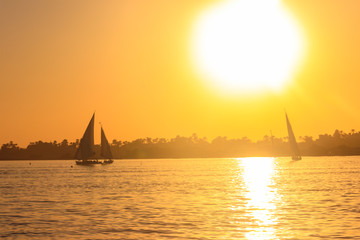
234	198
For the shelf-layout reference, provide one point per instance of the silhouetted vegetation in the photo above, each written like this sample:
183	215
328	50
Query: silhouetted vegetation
339	143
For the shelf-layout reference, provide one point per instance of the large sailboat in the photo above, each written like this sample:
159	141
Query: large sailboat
292	141
86	151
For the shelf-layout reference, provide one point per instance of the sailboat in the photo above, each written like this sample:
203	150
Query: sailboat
86	150
292	141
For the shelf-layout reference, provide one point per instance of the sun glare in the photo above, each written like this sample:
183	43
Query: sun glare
247	45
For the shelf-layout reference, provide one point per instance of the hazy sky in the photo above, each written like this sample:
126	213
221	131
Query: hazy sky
130	60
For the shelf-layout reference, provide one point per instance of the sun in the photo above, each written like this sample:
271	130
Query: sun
247	45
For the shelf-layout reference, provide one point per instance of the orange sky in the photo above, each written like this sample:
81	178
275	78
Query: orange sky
130	61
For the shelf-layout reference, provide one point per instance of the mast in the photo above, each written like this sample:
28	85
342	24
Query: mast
105	146
272	144
292	140
86	147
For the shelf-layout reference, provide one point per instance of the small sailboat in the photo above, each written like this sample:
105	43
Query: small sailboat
105	149
292	141
86	150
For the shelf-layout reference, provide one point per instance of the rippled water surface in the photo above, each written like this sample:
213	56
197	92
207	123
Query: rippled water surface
245	198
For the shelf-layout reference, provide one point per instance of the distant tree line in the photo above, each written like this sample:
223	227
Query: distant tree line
339	143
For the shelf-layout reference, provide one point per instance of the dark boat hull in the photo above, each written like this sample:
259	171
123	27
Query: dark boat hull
87	162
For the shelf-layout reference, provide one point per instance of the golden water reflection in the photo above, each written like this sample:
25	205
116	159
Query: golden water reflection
260	195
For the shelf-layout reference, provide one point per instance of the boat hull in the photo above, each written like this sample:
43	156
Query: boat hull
87	162
296	158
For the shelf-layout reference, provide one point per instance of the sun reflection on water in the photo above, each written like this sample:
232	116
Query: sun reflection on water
260	196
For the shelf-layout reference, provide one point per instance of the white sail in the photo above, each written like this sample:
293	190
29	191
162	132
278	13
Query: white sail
293	144
105	146
86	147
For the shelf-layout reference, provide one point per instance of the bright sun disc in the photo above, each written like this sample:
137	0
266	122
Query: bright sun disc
247	45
